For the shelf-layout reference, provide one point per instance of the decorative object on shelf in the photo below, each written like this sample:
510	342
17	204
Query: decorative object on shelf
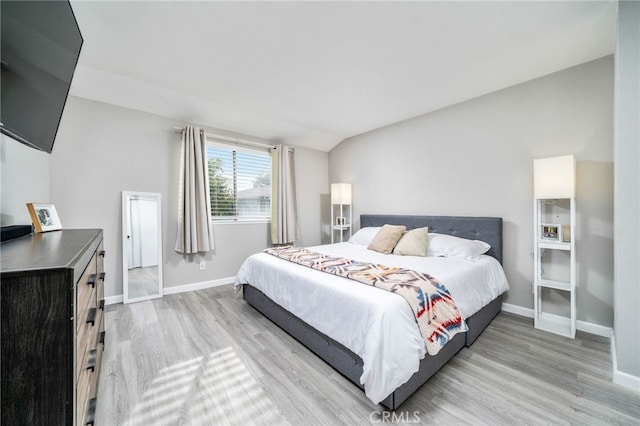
44	216
341	214
554	215
550	231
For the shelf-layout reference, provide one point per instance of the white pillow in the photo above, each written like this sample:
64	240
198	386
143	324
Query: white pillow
450	246
364	236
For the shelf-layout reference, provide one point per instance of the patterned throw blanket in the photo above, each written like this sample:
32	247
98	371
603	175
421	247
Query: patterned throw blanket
436	313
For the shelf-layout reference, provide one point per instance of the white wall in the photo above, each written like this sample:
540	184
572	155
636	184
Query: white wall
627	196
476	159
24	179
103	149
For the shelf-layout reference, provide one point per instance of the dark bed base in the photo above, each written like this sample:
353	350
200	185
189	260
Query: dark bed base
349	364
488	229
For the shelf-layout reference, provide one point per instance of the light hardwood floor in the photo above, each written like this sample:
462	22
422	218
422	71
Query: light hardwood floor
206	358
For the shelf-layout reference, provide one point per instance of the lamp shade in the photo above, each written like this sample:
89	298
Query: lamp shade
554	177
341	193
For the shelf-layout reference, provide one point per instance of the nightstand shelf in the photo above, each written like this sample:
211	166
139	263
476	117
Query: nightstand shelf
555	324
554	246
558	285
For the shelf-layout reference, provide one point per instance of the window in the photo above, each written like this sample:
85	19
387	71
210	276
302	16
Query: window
240	182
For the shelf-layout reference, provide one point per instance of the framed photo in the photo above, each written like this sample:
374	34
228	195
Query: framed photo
44	216
551	232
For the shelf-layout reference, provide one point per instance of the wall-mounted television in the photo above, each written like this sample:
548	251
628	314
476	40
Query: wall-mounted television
41	43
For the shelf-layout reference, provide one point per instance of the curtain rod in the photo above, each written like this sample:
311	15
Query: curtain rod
230	139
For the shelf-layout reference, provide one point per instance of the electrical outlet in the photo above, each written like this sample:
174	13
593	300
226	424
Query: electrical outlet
203	265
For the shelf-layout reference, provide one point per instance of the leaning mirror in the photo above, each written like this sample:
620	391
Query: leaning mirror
141	246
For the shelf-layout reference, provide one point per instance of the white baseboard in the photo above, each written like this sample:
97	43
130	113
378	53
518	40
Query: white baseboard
587	327
199	286
619	377
112	300
598	330
518	310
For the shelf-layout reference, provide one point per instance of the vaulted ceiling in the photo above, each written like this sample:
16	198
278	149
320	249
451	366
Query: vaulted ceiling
315	73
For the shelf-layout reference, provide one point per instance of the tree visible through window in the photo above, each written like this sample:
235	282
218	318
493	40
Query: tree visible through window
239	182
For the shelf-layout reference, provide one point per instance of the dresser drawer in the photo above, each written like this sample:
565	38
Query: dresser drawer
87	341
101	254
90	308
93	390
86	293
100	271
99	325
86	316
87	387
83	391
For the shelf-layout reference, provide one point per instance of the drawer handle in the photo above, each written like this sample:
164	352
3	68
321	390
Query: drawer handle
102	334
102	276
92	280
91	316
101	305
91	363
101	253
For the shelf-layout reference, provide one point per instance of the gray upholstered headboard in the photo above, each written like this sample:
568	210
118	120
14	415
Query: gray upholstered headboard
487	229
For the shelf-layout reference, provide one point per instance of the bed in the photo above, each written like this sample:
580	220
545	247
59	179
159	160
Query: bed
387	376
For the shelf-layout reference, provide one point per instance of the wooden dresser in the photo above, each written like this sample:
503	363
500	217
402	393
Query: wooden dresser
52	301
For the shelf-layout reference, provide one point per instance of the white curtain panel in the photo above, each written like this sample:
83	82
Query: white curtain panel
195	231
284	208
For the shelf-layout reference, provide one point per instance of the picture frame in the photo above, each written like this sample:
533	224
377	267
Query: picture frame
44	217
551	232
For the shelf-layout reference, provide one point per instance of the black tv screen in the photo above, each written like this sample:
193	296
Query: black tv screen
41	43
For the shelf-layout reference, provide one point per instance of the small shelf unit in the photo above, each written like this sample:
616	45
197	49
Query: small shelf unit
555	262
554	247
341	212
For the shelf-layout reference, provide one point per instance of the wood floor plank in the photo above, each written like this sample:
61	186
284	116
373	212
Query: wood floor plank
208	358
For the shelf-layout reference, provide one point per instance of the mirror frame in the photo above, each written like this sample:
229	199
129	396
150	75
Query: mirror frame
125	252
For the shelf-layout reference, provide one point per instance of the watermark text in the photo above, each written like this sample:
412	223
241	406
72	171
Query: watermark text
394	417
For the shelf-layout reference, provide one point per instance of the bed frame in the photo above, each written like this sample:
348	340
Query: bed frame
488	229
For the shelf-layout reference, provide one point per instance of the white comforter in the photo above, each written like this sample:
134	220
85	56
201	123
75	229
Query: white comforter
376	325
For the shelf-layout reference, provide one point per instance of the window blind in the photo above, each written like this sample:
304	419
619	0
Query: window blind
239	182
